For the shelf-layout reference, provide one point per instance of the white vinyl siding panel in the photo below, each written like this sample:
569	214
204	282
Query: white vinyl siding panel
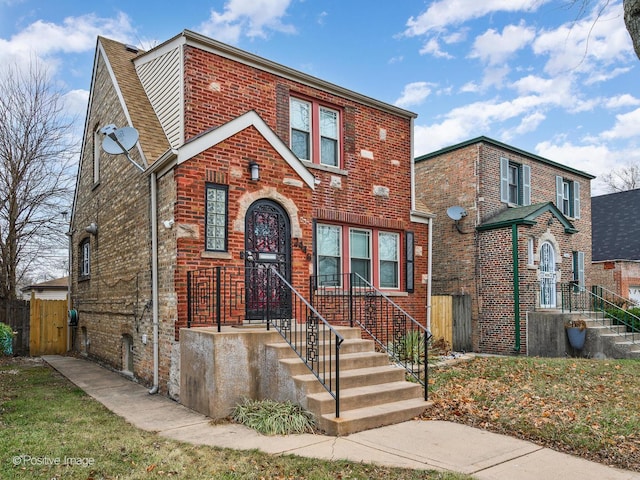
162	82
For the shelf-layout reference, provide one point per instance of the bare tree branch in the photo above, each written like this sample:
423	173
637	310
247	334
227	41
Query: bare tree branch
36	153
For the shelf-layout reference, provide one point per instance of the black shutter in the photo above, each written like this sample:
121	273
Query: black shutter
409	252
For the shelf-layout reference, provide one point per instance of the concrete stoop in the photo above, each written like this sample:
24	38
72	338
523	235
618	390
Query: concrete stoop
612	340
373	392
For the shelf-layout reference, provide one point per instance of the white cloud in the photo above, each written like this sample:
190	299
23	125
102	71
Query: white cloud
76	102
495	48
620	101
432	47
414	94
596	159
593	40
247	17
47	42
627	126
470	121
444	13
529	123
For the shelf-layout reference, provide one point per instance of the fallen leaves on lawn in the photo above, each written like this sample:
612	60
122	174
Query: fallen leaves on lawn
583	407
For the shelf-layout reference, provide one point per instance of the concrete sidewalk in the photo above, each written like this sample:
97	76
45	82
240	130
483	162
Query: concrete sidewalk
414	444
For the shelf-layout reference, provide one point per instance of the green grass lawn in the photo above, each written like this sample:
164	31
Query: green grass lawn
589	408
44	420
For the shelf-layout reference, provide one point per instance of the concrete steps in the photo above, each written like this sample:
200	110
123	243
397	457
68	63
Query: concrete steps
612	340
373	392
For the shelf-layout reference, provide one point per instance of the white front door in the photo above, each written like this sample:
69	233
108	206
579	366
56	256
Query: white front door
547	274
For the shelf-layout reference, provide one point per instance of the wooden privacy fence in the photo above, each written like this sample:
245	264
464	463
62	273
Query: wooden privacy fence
15	313
48	334
451	320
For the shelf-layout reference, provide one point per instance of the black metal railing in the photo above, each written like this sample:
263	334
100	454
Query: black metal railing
602	306
350	299
215	297
316	342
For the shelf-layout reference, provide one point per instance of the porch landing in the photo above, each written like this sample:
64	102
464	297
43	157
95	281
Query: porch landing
221	369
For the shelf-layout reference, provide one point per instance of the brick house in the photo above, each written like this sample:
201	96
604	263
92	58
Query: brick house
515	209
616	243
230	146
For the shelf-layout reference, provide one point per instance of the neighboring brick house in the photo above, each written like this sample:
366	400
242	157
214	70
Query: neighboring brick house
513	205
230	145
616	243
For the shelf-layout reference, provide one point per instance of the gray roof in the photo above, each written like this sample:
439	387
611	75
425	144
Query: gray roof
525	215
616	226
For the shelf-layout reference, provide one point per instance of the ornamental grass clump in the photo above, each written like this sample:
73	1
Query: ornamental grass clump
273	418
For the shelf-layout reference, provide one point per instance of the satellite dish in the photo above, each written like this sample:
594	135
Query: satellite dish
456	213
118	140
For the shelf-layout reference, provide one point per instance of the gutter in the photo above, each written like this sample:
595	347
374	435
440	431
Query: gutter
429	274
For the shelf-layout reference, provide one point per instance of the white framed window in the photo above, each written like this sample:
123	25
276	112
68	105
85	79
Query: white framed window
530	251
515	183
568	197
85	258
315	132
389	259
329	256
216	218
578	268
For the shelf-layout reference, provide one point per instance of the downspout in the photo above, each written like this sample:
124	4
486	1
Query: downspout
154	278
516	285
69	259
429	267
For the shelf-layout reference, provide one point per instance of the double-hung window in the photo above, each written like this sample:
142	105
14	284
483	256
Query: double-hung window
515	183
315	132
216	218
568	197
389	259
360	252
329	254
373	254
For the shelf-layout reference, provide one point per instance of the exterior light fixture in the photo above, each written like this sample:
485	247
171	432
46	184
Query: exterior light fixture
254	168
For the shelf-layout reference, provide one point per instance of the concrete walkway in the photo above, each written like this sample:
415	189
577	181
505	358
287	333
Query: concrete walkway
414	444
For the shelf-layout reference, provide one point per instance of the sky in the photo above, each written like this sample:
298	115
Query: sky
557	78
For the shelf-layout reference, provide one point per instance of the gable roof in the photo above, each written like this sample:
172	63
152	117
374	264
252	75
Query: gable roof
214	136
616	226
133	99
526	216
495	143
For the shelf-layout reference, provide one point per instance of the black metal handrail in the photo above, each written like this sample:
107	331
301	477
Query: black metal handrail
215	296
315	341
350	299
577	298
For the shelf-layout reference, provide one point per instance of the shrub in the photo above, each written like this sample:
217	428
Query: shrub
6	339
274	418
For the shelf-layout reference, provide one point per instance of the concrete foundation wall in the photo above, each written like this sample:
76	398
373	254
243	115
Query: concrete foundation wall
546	337
220	370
